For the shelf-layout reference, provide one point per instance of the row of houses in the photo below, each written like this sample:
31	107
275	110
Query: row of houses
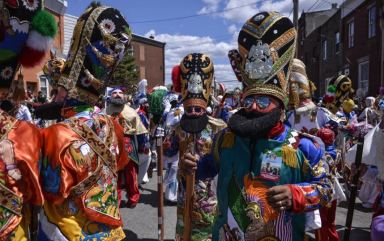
344	40
147	52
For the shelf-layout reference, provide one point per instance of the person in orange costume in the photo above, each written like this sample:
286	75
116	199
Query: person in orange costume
25	33
83	153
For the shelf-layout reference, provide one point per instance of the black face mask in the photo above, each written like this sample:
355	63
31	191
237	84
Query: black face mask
117	101
254	124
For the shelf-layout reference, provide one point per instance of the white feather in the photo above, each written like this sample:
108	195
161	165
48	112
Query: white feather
38	41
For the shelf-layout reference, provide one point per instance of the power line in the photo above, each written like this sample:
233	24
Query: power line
194	15
309	9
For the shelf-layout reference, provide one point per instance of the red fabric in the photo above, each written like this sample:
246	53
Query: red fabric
298	199
128	181
326	135
30	57
176	79
328	232
277	130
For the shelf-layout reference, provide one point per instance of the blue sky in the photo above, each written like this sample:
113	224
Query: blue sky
213	33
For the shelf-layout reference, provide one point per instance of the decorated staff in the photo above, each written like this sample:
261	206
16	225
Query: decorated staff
26	33
156	109
196	199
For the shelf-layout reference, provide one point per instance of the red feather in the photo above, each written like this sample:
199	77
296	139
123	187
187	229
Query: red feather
176	79
30	57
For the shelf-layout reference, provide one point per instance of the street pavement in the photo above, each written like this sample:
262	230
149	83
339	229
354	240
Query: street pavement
140	223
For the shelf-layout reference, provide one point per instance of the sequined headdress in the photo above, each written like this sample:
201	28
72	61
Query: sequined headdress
266	48
196	77
100	40
300	88
26	33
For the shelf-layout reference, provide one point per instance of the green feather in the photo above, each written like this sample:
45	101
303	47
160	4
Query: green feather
44	23
331	89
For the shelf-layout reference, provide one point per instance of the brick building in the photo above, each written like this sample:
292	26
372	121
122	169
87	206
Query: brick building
150	59
34	78
318	30
362	44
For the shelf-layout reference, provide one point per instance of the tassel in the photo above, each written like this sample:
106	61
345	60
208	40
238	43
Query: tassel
228	140
289	156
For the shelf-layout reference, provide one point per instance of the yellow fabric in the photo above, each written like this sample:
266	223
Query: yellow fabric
133	121
75	226
228	140
21	232
289	156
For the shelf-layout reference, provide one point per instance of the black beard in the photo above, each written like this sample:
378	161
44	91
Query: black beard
254	124
117	102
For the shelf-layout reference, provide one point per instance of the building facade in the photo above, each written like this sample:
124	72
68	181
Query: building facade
362	44
34	79
316	32
150	59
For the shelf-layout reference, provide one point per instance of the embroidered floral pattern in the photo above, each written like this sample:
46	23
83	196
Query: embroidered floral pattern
31	5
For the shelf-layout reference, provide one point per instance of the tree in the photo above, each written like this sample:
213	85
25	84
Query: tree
126	73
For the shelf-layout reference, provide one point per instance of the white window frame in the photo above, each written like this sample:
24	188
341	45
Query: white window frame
372	16
325	52
46	87
351	33
337	42
363	83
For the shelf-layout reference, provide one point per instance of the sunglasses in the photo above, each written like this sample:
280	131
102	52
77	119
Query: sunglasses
195	110
261	101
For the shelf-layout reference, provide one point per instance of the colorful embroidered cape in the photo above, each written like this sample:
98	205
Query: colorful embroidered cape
79	178
20	145
301	166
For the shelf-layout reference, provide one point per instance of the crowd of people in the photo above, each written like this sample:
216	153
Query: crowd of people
264	162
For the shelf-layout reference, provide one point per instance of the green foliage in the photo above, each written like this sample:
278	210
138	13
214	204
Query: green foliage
44	23
126	74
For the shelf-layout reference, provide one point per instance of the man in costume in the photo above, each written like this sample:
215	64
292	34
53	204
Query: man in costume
256	205
196	209
133	129
20	141
82	155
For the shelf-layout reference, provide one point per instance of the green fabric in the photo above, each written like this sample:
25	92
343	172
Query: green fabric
155	101
237	204
235	161
44	23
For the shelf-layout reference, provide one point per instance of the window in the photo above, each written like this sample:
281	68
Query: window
337	42
372	22
142	72
363	76
325	50
351	34
44	85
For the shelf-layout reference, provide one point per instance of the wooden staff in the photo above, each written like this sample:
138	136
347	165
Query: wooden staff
353	193
190	183
160	209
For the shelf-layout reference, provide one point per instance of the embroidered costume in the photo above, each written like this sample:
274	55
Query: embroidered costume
257	151
26	32
82	154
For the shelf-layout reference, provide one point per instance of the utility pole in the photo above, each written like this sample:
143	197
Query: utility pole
296	21
296	13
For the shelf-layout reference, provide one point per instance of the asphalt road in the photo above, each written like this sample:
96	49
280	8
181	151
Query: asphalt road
140	223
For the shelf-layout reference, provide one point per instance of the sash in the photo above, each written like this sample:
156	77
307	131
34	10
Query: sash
99	147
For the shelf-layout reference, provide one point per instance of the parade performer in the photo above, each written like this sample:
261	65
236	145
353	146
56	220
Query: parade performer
82	155
195	212
328	232
268	174
370	114
26	33
131	123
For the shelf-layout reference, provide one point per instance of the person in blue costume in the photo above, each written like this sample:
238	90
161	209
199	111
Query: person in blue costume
254	204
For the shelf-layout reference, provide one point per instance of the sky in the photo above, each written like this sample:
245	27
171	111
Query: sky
206	26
